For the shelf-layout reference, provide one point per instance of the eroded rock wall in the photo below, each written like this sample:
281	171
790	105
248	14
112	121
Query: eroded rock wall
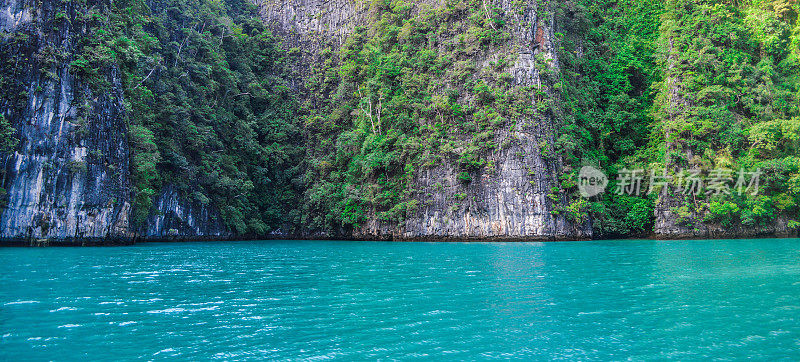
511	201
69	176
177	218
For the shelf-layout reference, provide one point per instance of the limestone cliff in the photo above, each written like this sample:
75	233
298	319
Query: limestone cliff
69	178
515	199
511	201
171	119
682	213
177	217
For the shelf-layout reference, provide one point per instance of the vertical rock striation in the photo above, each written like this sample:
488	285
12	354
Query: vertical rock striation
511	202
69	177
176	217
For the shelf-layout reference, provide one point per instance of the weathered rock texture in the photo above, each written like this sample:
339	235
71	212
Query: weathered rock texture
13	14
69	177
510	202
175	217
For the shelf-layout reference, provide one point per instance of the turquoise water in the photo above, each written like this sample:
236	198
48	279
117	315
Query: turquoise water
363	300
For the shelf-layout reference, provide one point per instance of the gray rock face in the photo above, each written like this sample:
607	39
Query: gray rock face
13	14
176	217
510	202
69	177
668	224
304	20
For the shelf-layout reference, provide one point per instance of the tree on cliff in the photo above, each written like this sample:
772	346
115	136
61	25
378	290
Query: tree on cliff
8	141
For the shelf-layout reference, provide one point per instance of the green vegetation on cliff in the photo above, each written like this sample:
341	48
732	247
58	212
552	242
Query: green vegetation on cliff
215	109
729	99
209	110
609	67
403	94
684	84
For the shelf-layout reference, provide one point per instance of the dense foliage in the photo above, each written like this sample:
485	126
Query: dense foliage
609	67
730	99
209	109
404	93
681	84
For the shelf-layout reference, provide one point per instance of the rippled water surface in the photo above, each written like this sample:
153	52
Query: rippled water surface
309	299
